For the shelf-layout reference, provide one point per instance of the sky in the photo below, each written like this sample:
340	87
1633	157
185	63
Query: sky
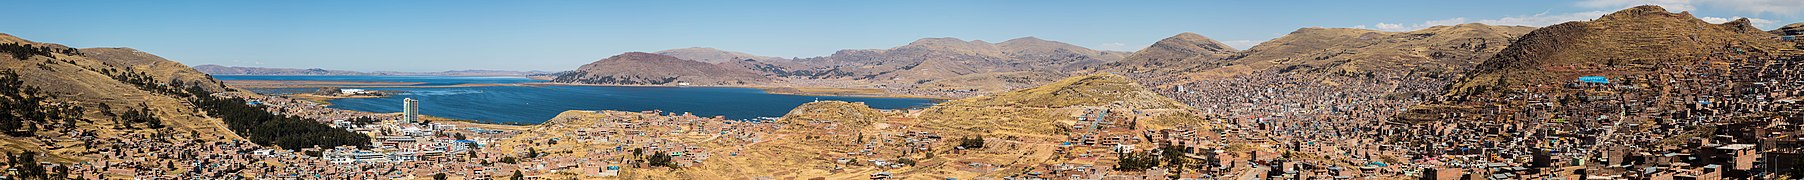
561	35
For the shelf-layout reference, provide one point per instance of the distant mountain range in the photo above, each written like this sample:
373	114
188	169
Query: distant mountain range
929	66
639	68
233	70
713	56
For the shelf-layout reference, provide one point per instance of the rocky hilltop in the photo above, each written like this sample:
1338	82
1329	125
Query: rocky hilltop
854	114
639	68
1043	110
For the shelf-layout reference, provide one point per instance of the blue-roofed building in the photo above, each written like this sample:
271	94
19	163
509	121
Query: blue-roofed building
1595	79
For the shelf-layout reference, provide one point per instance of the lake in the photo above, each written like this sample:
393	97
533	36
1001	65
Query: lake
535	104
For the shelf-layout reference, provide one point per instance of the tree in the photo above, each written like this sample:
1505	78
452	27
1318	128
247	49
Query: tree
518	175
1136	161
439	176
659	159
509	160
971	143
27	164
265	128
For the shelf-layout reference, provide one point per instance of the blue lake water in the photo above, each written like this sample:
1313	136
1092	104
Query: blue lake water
425	80
535	104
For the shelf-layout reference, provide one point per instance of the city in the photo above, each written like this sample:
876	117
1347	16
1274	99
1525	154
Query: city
1614	90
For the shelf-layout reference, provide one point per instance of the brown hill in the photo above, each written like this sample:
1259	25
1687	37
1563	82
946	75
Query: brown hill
932	59
1443	50
638	68
713	56
54	90
1185	52
854	114
1645	48
1639	36
1438	48
1790	29
1045	110
156	66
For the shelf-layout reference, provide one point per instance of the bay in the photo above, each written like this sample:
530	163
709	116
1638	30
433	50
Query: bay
532	104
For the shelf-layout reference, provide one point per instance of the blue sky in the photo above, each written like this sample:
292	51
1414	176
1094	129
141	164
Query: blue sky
560	35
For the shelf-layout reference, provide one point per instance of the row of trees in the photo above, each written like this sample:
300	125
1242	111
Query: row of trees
1169	156
26	51
142	115
143	81
265	128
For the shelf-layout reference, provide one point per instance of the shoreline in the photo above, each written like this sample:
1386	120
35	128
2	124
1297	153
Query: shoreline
425	75
326	100
770	89
780	90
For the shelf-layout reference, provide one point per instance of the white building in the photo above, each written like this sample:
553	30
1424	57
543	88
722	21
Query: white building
410	110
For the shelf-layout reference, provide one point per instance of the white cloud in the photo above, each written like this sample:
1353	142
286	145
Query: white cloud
1115	47
1756	21
1783	7
1242	44
1391	27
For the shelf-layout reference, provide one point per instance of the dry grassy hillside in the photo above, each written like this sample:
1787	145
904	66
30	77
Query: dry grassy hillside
1185	52
1439	48
1645	35
853	114
1645	48
97	87
1047	109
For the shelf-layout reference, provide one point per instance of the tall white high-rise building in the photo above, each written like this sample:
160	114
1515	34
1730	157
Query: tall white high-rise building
410	109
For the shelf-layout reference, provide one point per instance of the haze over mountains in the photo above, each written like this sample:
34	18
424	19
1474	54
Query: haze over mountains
235	70
639	68
947	66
